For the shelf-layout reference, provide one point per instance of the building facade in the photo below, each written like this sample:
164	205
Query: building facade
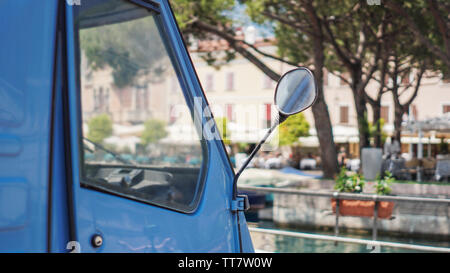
243	94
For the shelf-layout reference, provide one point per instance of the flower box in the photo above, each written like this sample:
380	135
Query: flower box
363	208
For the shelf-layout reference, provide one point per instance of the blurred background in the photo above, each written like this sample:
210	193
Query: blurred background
380	127
382	115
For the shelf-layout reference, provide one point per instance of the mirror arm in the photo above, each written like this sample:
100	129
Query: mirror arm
281	118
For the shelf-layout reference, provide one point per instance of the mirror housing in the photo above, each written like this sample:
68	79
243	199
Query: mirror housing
296	91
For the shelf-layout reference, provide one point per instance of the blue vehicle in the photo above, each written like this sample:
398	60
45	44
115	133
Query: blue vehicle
81	84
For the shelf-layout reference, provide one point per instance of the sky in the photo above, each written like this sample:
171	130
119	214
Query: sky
242	19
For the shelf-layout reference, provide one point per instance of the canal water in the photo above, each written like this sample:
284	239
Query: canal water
287	244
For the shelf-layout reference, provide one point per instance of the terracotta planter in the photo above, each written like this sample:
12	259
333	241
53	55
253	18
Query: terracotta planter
363	208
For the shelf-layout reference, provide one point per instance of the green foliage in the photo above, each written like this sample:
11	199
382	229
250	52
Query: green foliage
222	125
383	184
355	28
242	147
154	130
218	13
100	127
209	11
428	24
373	129
349	183
293	128
293	43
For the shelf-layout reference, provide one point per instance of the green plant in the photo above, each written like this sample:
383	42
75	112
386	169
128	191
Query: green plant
294	127
383	184
100	127
373	129
242	147
349	183
154	130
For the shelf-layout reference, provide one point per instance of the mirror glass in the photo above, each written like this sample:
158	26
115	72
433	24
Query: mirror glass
295	91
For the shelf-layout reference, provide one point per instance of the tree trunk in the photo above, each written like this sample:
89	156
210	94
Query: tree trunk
376	108
361	109
363	125
328	153
398	118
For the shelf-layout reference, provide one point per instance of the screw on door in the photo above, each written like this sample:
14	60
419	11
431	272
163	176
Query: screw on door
97	240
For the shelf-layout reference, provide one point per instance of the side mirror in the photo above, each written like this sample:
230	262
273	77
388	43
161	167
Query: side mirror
295	92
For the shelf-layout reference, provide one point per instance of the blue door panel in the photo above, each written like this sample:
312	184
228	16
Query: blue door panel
26	86
128	225
27	30
59	228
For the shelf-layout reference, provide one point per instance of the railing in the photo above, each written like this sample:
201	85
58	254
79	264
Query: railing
375	246
351	196
348	196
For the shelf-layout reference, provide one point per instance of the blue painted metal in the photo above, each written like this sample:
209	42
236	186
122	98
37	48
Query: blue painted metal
27	30
59	228
27	55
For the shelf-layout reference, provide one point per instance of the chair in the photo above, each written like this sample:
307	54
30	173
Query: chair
442	169
406	169
429	167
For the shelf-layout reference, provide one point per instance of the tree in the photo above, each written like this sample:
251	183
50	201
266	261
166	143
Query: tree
396	90
154	130
100	127
407	56
376	131
428	22
206	19
354	33
370	39
300	37
294	127
375	103
401	55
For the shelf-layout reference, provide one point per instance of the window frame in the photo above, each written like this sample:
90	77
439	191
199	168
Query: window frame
387	108
443	106
209	82
170	44
229	81
347	122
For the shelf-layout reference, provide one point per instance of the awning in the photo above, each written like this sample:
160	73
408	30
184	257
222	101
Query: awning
438	124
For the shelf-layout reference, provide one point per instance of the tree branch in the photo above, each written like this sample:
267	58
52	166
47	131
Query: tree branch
415	29
344	57
237	45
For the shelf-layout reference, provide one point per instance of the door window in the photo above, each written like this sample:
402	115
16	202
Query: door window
142	142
